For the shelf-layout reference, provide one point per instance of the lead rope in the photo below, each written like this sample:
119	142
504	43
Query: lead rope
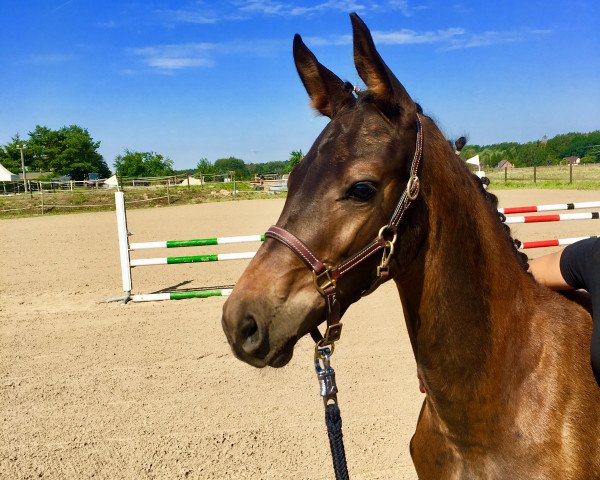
333	418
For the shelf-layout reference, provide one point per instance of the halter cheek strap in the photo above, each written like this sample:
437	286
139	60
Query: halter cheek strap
326	277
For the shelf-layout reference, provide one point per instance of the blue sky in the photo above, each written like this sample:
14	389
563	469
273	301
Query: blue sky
193	79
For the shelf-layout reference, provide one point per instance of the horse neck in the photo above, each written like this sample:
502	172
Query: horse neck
457	295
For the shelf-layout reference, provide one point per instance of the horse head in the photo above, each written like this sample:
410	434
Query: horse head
339	196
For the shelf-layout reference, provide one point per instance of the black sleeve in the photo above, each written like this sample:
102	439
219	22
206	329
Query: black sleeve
580	265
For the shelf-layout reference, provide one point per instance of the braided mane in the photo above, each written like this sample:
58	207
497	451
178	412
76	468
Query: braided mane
492	201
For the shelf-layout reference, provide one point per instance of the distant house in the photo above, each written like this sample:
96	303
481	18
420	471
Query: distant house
504	164
572	160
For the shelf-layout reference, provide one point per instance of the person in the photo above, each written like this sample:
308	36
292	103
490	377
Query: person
577	266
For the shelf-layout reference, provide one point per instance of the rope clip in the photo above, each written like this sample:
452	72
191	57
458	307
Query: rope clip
326	376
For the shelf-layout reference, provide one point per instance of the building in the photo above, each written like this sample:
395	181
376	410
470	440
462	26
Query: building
572	160
504	164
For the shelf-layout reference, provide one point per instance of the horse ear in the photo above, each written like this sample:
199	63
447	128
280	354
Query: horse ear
379	79
327	92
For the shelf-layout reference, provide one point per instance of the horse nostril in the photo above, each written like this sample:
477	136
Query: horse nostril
250	334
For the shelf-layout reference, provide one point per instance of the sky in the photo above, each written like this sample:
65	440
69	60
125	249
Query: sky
206	79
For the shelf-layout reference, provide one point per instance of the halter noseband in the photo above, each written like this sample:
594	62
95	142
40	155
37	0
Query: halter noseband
325	277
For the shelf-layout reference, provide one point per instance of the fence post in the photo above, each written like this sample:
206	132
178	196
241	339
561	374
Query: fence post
188	180
168	193
42	192
570	173
505	174
534	174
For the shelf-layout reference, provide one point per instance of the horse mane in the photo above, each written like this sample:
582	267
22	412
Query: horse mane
492	202
366	96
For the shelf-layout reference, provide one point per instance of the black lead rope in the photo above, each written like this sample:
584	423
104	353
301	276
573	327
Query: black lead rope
333	420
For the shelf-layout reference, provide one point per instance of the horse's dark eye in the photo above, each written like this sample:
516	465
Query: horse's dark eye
362	191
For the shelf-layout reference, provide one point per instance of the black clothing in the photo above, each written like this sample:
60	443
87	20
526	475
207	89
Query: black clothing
580	267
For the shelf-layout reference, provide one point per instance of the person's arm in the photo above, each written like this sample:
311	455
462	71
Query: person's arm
546	270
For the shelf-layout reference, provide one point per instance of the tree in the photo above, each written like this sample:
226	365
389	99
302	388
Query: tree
296	157
143	164
68	151
205	167
10	155
225	165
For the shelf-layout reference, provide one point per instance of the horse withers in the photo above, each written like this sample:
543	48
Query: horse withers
504	361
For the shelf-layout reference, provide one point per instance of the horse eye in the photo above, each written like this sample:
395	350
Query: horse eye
362	191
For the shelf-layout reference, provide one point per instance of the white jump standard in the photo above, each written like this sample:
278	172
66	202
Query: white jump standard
127	263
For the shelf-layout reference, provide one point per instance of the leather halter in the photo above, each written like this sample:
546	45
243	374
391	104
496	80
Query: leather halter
325	277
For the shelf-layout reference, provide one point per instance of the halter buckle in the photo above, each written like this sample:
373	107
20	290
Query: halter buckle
327	281
413	182
383	267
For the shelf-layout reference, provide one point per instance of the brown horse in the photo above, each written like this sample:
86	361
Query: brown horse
505	361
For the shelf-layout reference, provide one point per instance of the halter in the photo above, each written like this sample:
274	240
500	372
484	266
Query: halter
325	277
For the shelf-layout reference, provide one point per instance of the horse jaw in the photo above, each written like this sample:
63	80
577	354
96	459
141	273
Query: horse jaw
263	321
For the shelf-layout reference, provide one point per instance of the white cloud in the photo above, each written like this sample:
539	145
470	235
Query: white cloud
169	58
399	37
187	16
488	38
452	38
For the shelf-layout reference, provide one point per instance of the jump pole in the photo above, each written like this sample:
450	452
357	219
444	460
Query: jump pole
552	218
213	257
549	208
199	242
153	297
556	242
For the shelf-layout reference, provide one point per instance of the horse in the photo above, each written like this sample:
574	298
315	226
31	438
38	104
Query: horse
381	195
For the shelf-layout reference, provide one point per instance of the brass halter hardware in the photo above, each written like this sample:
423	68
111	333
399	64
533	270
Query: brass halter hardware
388	251
326	279
413	182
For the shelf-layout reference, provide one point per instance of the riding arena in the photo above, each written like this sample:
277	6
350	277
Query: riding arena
151	389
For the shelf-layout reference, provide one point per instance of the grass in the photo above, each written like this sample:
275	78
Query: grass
92	200
543	184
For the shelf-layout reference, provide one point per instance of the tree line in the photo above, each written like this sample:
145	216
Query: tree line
71	151
547	151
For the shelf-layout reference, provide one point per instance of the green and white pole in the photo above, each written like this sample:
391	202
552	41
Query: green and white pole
153	297
198	242
213	257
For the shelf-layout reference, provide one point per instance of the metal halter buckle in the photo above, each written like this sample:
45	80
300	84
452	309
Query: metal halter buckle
388	250
413	181
383	267
329	281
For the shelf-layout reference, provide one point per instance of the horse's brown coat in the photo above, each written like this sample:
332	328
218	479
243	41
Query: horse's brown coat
505	362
